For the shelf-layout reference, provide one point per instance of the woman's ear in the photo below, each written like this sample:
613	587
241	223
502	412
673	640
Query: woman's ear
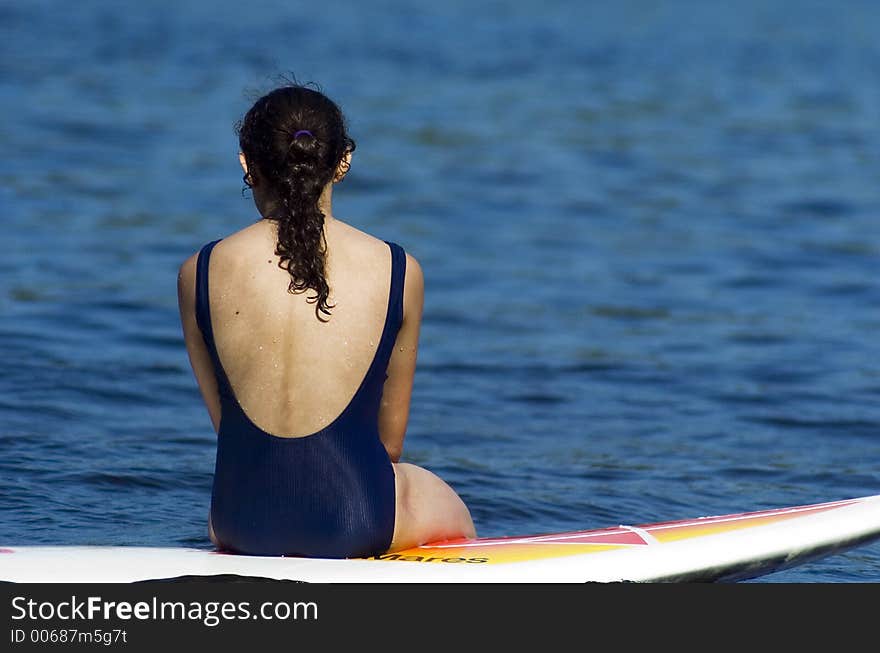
248	178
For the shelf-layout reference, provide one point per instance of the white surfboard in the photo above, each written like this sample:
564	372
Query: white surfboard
720	548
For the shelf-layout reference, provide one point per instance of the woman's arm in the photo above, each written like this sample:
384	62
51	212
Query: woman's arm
199	358
394	409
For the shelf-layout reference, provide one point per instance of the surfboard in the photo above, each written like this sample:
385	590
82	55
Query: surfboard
721	548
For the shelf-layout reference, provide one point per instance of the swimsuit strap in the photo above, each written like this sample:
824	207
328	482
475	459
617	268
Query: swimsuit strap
393	320
395	297
203	316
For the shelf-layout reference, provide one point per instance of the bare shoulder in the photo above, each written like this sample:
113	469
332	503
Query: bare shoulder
413	290
356	249
188	267
186	276
415	278
235	250
352	236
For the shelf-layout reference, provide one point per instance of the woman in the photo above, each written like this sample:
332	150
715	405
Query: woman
302	332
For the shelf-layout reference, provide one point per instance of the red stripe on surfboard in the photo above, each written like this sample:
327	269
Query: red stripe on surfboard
796	510
602	536
623	535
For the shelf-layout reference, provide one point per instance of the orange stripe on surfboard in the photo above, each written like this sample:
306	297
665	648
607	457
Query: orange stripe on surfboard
556	545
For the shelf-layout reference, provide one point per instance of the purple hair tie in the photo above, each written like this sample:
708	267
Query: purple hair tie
303	131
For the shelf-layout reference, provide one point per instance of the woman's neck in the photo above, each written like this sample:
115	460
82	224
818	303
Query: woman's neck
267	205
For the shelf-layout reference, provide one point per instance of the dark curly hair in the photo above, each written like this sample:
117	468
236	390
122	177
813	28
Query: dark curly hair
293	139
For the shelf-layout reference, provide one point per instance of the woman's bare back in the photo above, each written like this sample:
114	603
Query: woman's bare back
291	373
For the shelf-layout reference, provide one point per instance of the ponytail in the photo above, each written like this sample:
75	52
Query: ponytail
295	139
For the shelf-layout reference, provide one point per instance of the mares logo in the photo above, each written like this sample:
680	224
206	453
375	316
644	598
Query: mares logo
412	558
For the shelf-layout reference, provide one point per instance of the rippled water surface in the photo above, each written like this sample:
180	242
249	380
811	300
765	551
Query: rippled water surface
650	234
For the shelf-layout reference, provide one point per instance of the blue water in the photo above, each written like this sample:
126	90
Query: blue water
650	234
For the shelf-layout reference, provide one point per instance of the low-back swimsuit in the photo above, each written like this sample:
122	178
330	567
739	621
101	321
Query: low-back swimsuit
329	494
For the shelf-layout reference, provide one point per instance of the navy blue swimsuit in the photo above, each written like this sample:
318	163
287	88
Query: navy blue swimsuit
329	494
